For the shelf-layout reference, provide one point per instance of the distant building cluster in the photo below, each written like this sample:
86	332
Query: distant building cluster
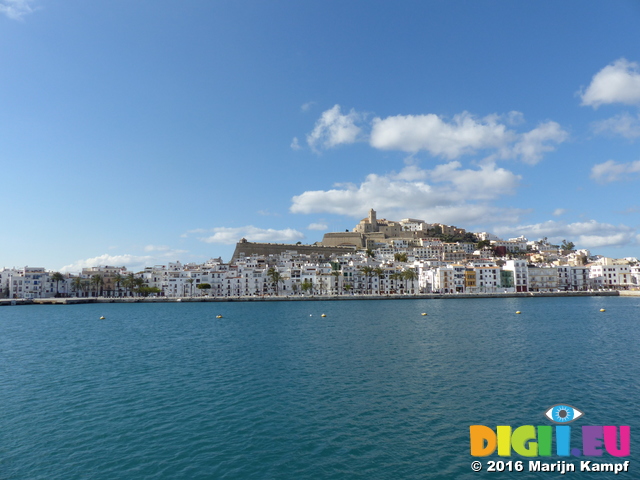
377	257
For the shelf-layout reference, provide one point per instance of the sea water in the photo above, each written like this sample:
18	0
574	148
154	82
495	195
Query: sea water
273	390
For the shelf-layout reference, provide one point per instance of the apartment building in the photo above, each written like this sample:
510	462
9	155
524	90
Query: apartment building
610	276
542	279
520	273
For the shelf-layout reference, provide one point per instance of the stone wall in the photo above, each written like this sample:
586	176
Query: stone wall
246	249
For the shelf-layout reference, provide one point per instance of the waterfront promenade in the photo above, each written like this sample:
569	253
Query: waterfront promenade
301	298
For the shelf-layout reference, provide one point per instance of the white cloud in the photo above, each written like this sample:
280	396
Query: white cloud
132	262
294	144
307	106
463	135
589	234
514	118
164	250
195	230
411	173
333	128
229	236
532	145
615	83
624	125
610	171
466	135
318	226
16	9
452	195
265	213
486	183
156	248
559	211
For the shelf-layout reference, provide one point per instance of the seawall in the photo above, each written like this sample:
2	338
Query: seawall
307	298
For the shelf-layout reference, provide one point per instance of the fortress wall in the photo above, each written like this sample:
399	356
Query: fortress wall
250	248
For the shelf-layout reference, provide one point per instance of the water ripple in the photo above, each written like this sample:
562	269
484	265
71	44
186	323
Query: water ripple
372	391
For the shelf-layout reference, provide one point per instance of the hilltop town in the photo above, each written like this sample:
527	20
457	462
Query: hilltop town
378	257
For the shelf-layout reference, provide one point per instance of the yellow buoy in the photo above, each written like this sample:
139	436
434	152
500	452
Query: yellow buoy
101	318
218	316
518	311
323	315
602	310
424	314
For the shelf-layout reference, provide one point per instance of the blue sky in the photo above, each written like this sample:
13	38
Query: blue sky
138	133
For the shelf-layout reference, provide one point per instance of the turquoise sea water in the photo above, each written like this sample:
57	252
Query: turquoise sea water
374	390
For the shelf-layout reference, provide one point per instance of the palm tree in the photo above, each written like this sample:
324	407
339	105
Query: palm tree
86	285
77	284
400	257
117	279
378	272
396	277
57	277
275	277
97	281
138	283
190	282
410	274
129	282
370	253
367	271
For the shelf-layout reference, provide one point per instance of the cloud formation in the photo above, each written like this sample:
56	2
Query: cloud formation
318	226
305	107
333	128
589	234
164	249
610	171
618	82
464	134
295	145
157	254
448	193
625	125
132	262
531	145
16	9
230	236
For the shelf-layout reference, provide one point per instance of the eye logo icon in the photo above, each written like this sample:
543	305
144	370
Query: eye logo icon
562	413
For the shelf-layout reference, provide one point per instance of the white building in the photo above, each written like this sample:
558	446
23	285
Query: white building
520	274
608	275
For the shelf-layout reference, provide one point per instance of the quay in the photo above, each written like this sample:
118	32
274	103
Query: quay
306	298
